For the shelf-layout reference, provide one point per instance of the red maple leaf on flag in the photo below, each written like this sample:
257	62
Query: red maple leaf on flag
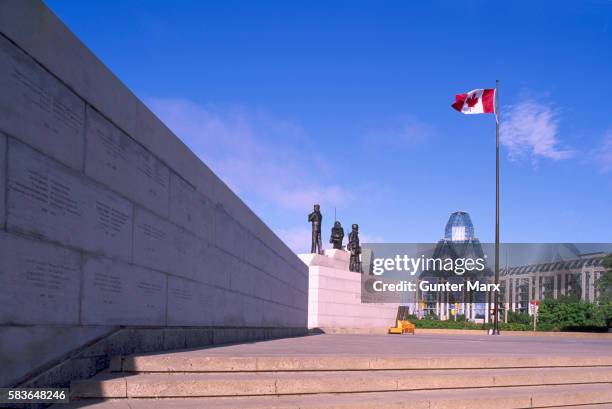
477	101
472	100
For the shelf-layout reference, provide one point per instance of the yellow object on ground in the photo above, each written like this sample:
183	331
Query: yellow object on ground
402	327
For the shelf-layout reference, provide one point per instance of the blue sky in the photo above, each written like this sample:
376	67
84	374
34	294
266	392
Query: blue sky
348	104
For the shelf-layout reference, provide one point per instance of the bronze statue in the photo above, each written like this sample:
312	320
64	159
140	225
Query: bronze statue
315	218
337	235
355	249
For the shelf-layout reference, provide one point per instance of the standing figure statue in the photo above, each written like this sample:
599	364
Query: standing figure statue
355	249
337	235
315	218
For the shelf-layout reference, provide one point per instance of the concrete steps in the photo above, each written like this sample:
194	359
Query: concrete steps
557	396
260	376
180	362
171	385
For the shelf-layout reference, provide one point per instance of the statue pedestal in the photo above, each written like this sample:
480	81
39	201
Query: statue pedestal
334	297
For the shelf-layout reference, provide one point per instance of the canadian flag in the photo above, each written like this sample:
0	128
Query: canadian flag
477	101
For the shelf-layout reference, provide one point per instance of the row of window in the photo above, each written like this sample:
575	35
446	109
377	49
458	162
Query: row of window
560	265
545	290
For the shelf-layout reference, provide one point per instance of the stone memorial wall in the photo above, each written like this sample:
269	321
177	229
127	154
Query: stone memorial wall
107	220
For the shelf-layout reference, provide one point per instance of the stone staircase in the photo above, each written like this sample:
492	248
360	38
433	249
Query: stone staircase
328	381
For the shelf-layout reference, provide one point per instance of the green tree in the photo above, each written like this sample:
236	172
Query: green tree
569	313
604	283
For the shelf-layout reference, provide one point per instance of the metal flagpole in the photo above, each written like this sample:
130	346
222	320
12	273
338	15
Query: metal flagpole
496	296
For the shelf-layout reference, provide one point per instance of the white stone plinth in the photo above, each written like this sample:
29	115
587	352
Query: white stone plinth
334	296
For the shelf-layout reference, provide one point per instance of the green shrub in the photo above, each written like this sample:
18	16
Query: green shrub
519	317
563	314
513	326
569	314
450	324
604	312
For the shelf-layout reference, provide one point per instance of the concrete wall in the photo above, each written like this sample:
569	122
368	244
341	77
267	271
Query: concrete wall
107	219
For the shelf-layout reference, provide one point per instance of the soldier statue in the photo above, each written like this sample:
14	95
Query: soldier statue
355	249
315	218
337	235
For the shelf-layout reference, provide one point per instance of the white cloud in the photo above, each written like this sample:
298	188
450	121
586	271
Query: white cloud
530	130
270	163
255	154
604	154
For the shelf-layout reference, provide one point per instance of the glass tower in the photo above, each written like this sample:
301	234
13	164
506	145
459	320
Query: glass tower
459	227
459	242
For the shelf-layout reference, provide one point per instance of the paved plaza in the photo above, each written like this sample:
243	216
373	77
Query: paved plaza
410	345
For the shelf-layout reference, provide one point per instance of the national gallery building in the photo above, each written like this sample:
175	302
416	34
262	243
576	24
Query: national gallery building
575	277
518	286
534	272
